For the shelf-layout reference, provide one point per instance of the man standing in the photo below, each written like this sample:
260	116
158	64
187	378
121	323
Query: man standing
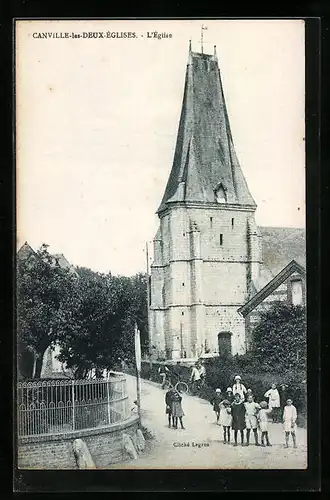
163	372
176	373
283	395
195	378
202	372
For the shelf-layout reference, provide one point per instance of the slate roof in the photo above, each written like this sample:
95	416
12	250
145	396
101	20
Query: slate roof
64	263
204	156
280	245
26	252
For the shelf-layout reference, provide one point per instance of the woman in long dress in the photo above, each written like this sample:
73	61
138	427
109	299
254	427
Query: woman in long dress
239	387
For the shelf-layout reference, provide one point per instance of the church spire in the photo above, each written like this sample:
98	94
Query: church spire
215	57
205	157
189	57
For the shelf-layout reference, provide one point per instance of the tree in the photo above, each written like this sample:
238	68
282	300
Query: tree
279	339
106	310
91	317
45	300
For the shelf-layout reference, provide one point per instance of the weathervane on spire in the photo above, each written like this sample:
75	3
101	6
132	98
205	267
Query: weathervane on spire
202	28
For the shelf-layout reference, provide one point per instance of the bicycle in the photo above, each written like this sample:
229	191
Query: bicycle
182	387
179	386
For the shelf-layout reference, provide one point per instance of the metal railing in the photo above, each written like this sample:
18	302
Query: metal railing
60	406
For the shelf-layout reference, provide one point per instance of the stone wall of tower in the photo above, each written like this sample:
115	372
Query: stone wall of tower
224	319
226	258
179	273
201	277
254	249
156	312
169	312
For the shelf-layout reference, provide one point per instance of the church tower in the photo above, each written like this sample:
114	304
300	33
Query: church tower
207	249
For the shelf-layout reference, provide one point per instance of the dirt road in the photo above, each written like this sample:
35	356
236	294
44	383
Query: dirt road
200	445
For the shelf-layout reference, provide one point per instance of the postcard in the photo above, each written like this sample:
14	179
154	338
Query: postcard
161	249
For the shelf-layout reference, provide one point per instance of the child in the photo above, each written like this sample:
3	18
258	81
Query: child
273	402
225	420
251	409
248	393
216	400
263	423
238	417
177	411
289	420
168	403
229	395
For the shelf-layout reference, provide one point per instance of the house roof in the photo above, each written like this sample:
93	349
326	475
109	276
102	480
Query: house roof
204	157
64	263
26	251
292	267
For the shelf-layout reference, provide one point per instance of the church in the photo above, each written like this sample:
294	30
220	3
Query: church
208	251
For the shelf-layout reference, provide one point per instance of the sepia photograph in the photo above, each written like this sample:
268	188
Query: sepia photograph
161	244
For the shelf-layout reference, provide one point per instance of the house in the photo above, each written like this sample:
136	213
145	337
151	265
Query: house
288	286
51	367
60	260
26	254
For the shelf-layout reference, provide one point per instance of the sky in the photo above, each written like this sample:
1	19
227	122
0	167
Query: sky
97	120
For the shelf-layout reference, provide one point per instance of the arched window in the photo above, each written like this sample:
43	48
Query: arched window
220	194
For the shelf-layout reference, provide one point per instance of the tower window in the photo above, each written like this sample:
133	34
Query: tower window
182	284
211	222
232	222
182	313
221	239
220	194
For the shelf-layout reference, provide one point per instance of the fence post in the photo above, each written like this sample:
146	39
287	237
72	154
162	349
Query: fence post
108	398
73	415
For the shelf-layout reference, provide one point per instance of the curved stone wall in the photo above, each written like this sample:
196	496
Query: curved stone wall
56	451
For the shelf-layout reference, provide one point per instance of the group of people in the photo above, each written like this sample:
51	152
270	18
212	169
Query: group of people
237	410
196	379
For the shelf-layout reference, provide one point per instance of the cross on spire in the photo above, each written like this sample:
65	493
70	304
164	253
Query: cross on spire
202	29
